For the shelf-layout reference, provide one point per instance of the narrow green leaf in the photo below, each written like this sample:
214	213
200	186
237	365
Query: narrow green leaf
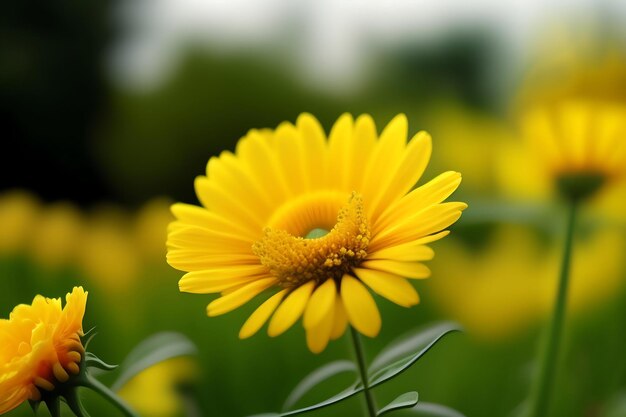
406	400
155	349
345	394
433	410
92	361
421	341
315	378
410	343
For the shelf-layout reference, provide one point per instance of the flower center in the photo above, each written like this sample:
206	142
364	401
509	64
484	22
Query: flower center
295	260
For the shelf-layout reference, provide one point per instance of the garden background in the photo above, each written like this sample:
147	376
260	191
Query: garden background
111	109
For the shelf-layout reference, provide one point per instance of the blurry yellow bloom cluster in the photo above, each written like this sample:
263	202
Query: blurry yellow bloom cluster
512	283
40	347
158	391
108	246
568	137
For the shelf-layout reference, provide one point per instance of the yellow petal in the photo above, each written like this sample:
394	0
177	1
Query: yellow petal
290	157
340	320
413	270
406	252
322	300
406	174
430	220
224	204
260	160
340	145
360	306
433	192
290	310
207	282
384	160
317	337
260	315
390	286
238	298
201	217
314	149
365	137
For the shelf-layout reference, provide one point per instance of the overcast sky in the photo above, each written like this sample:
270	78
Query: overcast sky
326	41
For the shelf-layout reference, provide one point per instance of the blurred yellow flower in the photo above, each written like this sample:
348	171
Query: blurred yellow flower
40	347
150	228
107	254
154	392
57	235
580	144
18	213
319	219
468	140
513	279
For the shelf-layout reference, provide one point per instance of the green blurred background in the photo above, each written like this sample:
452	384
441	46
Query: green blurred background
111	109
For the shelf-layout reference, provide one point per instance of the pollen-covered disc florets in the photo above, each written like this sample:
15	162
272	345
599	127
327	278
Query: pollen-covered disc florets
295	260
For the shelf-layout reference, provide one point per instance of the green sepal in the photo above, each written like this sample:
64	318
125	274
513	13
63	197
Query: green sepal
155	349
34	405
54	406
406	400
316	377
88	337
92	361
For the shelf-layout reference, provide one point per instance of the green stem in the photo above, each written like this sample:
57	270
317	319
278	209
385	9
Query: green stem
97	386
540	404
360	359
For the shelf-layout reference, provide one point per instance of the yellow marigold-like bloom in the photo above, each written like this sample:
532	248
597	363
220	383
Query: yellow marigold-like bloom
317	220
581	143
40	347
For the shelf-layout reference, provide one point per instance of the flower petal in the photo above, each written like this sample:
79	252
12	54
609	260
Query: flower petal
360	306
260	315
394	288
238	298
290	310
322	300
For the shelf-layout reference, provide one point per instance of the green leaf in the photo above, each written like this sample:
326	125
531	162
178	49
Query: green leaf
406	400
315	378
92	361
409	343
155	349
433	410
417	343
343	395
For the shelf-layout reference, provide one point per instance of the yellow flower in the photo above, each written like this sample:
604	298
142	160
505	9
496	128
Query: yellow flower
40	347
318	221
513	284
19	211
580	144
153	393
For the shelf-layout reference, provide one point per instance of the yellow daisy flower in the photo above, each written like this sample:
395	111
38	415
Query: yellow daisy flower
319	221
40	347
581	144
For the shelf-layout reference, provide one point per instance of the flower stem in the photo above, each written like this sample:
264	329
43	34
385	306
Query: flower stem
360	359
97	386
540	404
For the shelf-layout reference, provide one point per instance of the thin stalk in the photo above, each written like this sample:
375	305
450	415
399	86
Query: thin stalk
544	387
370	403
97	386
